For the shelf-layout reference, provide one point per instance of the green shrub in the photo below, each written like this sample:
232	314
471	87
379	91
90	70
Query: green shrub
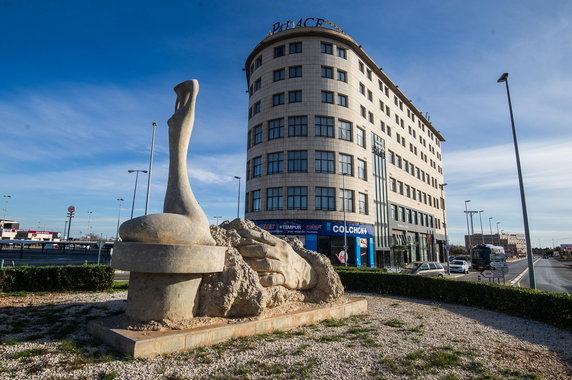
56	278
551	308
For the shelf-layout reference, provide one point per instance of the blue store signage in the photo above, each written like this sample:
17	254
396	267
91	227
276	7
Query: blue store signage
288	227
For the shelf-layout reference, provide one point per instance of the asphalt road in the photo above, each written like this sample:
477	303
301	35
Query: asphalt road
551	275
34	257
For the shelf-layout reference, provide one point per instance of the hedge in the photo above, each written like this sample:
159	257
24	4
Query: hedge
56	278
551	308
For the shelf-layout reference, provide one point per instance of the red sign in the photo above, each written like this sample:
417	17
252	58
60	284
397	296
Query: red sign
71	209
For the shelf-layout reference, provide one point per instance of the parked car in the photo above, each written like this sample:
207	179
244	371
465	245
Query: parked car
424	268
459	266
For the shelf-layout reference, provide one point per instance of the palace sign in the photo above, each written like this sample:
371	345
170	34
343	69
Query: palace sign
302	23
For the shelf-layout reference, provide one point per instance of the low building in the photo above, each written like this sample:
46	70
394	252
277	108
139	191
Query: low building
513	244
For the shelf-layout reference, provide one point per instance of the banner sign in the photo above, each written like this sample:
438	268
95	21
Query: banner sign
309	227
278	27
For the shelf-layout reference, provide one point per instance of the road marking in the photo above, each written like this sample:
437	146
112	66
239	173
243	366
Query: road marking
521	275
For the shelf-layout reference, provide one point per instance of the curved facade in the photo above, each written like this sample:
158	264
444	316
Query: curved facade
326	127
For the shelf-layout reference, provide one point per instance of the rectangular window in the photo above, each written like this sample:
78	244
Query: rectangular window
256	200
275	163
258	84
278	99
298	198
327	72
295	71
362	89
402	214
342	76
295	47
363	112
369	74
360	137
257	134
394	212
256	108
361	67
274	198
391	157
362	169
409	218
326	48
275	129
325	162
279	74
327	97
325	198
295	96
342	53
362	203
279	51
346	164
347	200
398	161
370	117
345	130
342	100
297	126
400	187
324	126
392	184
298	161
258	62
257	166
369	95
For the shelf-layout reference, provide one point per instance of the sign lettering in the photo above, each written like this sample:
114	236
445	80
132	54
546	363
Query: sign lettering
278	26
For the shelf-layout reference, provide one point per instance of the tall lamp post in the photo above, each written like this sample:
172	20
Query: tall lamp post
498	233
446	246
468	230
136	171
150	168
481	220
118	217
238	199
491	228
89	225
217	218
504	78
5	209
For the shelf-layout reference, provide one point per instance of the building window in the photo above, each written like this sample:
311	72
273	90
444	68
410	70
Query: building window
400	187
295	96
361	67
295	71
398	161
274	198
362	89
342	100
257	167
327	72
392	184
324	126
394	212
327	97
402	214
360	137
298	161
258	62
362	203
347	200
326	48
278	99
346	164
279	75
295	47
275	163
297	126
279	51
256	200
258	84
391	157
345	130
257	134
369	95
342	76
298	198
362	169
275	129
342	53
325	198
325	162
370	117
369	74
362	111
256	108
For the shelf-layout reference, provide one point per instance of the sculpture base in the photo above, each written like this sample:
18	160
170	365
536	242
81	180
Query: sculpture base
140	344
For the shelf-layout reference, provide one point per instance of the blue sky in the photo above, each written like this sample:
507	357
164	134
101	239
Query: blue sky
81	82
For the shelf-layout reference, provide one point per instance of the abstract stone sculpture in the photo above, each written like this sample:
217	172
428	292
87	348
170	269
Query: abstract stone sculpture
168	253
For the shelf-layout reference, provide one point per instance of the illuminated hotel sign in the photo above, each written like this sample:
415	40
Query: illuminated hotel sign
301	23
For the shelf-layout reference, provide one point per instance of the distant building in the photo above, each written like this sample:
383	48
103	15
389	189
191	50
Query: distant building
513	244
8	229
336	149
11	230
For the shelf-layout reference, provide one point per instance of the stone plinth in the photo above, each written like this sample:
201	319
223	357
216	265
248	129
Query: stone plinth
140	344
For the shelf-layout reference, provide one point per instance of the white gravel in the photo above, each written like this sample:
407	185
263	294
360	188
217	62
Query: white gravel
44	336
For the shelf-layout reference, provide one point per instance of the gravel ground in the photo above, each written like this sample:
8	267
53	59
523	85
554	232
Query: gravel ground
44	337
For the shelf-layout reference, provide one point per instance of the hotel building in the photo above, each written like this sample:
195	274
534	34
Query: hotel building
337	154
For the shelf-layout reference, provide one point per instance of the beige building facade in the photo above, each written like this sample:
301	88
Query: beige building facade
337	154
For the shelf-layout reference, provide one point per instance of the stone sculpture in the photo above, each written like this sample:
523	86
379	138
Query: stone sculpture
243	269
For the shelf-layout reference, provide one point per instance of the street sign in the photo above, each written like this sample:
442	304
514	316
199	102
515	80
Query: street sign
492	273
499	264
71	209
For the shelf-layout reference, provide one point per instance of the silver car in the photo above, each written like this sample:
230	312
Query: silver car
459	266
425	268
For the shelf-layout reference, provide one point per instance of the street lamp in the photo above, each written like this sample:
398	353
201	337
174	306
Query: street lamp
150	168
135	190
446	247
481	220
491	228
498	233
217	218
89	225
5	208
238	199
504	78
468	231
118	216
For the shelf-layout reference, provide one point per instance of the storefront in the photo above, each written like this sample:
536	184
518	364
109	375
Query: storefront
327	238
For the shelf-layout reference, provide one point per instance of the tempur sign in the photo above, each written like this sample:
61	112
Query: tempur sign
300	23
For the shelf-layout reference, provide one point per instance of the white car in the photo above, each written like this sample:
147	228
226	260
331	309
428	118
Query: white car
459	266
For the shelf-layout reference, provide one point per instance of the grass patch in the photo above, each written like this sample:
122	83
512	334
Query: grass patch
418	329
442	359
393	323
329	338
29	353
331	322
119	286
